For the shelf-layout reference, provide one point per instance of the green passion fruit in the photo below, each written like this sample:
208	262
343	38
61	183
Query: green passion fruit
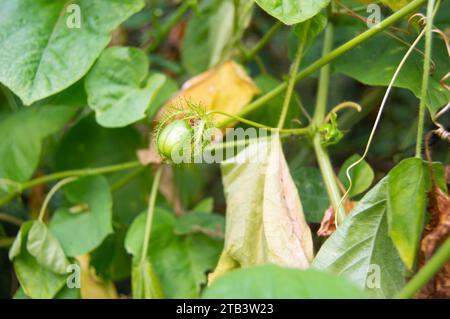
173	138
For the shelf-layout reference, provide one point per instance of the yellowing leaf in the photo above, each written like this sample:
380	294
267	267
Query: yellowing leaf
264	219
226	88
396	4
93	287
144	282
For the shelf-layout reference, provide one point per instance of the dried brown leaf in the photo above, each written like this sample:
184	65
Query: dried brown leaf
436	232
176	34
149	155
328	225
447	175
37	197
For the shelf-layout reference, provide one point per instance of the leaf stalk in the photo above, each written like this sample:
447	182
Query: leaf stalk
150	213
425	77
323	159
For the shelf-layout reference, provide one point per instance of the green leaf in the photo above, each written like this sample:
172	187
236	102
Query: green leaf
167	90
442	19
207	35
42	53
312	191
265	221
292	11
211	33
25	131
132	198
271	111
362	175
20	294
43	246
199	222
205	205
409	183
190	181
87	144
36	280
68	293
119	88
439	174
180	261
361	249
110	259
64	293
16	247
274	282
384	54
144	283
81	232
315	27
74	96
183	264
135	235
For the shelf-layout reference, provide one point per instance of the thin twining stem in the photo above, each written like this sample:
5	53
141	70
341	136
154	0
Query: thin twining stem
52	192
380	111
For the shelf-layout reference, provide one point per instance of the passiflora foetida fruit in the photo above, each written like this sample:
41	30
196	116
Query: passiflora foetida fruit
173	138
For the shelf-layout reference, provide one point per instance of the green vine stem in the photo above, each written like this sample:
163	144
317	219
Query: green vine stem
249	55
70	173
294	70
21	187
324	60
324	79
171	22
294	131
150	213
427	272
240	119
322	156
425	77
52	192
225	145
10	219
242	142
